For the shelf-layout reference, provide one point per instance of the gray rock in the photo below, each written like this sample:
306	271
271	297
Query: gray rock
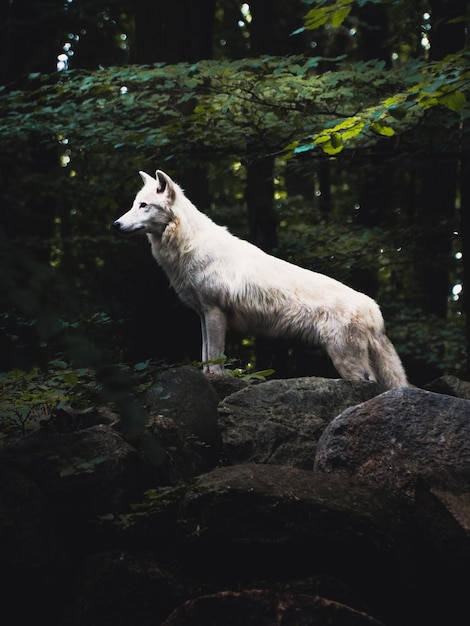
280	421
442	512
123	587
30	547
89	472
184	395
451	386
226	385
256	607
268	520
389	440
182	438
28	528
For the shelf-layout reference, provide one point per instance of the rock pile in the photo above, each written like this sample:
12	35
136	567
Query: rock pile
294	502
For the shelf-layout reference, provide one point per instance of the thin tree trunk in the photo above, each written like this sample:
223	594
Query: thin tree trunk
448	32
259	196
430	288
465	233
29	39
29	45
439	183
173	32
259	193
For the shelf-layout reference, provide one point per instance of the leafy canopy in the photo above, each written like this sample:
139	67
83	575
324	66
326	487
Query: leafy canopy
270	105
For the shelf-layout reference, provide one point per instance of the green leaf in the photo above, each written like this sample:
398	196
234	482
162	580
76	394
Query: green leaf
58	364
316	18
328	148
334	14
70	378
382	129
353	131
340	15
454	101
141	366
304	148
426	101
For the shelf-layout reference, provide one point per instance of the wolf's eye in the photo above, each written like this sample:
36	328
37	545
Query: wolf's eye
142	205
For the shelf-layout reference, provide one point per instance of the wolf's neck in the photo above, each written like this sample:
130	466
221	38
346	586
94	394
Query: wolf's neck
181	235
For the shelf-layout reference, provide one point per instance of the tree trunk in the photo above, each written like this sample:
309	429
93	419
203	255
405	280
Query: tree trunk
259	196
429	290
176	32
465	232
265	38
439	184
173	32
259	193
375	34
30	44
29	37
447	36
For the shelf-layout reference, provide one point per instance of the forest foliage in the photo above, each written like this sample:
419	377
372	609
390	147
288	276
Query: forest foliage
352	121
271	105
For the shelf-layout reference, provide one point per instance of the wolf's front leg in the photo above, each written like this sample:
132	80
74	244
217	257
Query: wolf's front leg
213	326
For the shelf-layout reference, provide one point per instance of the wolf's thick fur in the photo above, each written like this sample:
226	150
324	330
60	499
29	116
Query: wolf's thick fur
232	283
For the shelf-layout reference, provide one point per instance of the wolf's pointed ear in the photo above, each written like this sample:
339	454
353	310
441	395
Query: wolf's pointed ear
165	185
146	178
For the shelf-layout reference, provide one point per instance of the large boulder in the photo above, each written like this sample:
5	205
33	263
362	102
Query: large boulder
268	522
442	512
30	547
87	473
182	438
280	421
450	386
393	438
122	587
256	607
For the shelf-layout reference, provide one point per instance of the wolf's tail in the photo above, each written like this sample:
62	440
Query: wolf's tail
386	363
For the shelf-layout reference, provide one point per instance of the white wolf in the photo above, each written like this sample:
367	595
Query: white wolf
232	283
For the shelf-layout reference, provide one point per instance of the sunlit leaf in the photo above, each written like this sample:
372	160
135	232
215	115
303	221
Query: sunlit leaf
316	18
340	15
328	148
70	378
353	132
382	129
454	101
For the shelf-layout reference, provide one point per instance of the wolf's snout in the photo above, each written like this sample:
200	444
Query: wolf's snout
127	229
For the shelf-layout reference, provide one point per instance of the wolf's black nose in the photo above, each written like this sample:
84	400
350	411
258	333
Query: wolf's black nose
117	225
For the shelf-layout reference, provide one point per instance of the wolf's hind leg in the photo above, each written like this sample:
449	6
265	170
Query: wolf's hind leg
387	363
352	361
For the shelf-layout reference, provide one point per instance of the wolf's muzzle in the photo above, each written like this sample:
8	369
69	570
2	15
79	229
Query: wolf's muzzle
133	229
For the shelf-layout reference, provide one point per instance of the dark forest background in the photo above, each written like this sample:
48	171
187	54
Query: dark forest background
337	141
